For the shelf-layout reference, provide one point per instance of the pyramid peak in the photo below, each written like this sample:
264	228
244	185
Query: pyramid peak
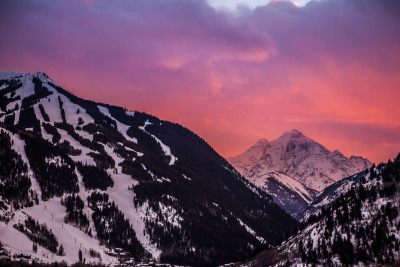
293	134
295	131
43	77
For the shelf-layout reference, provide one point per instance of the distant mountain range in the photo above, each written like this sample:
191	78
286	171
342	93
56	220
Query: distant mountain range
90	181
295	168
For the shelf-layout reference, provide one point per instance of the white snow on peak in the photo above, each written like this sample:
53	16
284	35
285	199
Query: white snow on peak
299	157
244	162
43	77
9	74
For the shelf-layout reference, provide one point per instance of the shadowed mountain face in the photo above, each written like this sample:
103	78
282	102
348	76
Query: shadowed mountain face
304	164
288	193
354	222
99	176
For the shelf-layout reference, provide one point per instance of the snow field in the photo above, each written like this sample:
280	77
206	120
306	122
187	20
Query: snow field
123	198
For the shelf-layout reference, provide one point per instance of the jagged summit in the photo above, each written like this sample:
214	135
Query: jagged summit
294	134
299	157
41	75
292	137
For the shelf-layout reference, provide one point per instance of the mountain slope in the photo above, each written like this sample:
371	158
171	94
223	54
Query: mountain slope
329	195
299	158
288	193
360	228
99	177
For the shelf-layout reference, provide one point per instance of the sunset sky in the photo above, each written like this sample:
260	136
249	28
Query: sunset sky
231	72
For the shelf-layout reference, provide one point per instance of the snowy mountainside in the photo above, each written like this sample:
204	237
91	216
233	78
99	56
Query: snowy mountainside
288	193
112	184
360	228
329	195
300	158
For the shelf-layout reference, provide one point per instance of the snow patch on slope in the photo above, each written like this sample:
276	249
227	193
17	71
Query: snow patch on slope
259	180
122	128
83	157
168	213
52	213
251	231
120	193
165	149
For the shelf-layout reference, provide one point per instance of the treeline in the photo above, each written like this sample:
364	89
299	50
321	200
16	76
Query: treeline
40	92
54	179
40	234
11	86
95	177
15	183
356	228
112	228
102	159
75	214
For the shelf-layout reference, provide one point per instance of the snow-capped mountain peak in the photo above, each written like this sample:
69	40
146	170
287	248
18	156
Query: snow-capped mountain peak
301	158
43	77
294	134
250	156
298	157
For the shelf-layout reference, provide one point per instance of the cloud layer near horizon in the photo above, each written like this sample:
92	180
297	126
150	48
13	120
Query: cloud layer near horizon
330	69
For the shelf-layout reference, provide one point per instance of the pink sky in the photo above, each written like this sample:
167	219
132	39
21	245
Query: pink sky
330	69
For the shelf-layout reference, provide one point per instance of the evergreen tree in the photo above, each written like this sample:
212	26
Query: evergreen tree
61	251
